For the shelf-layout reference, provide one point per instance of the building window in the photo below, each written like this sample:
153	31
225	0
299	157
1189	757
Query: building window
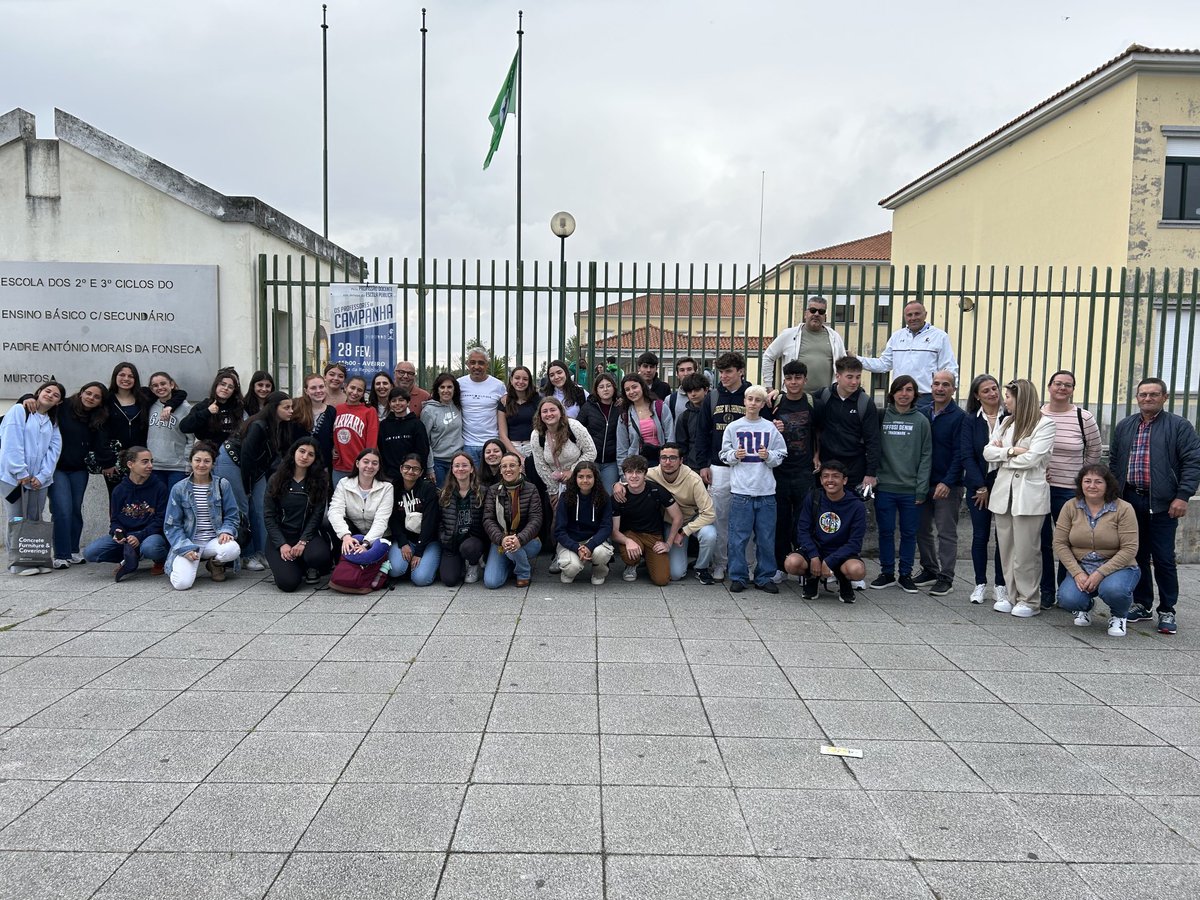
1181	189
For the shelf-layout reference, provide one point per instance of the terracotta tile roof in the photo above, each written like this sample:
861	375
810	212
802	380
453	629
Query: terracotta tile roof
1130	51
695	305
877	247
649	337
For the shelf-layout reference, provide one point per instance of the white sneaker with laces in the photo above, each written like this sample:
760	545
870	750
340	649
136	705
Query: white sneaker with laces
61	564
1002	606
1083	618
1116	627
77	559
253	564
977	594
1001	594
630	573
1024	611
718	573
779	576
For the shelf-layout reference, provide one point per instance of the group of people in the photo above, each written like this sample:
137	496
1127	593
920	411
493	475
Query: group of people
473	477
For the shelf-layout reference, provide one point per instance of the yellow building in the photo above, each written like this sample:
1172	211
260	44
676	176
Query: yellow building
1104	174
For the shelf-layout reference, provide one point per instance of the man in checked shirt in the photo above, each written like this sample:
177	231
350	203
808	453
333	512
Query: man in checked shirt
1155	455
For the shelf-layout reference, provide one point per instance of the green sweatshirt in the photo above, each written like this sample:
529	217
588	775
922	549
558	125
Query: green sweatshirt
907	453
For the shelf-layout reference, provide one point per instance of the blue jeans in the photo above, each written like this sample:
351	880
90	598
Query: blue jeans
475	451
258	524
610	474
981	533
426	570
500	565
1156	544
1059	497
888	506
751	515
66	506
105	549
706	537
169	479
225	468
1116	590
441	469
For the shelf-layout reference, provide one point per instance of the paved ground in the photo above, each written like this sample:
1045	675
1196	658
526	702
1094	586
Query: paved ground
621	742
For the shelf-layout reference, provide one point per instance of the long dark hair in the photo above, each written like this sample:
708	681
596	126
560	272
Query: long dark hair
437	383
92	418
573	394
140	392
513	404
236	404
316	480
973	404
373	399
486	476
900	382
604	376
277	430
571	491
253	404
632	377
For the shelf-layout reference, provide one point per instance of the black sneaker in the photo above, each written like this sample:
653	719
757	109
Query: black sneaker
941	587
811	589
926	577
846	593
1049	601
882	580
1138	614
907	585
737	587
704	576
769	586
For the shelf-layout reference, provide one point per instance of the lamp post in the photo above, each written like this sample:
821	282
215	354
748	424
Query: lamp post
563	226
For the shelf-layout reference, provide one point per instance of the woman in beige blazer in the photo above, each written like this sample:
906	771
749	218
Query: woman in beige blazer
1020	498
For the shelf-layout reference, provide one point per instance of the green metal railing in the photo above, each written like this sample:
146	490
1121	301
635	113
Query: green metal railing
1111	327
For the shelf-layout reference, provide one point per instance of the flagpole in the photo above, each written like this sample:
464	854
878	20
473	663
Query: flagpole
520	264
325	114
421	264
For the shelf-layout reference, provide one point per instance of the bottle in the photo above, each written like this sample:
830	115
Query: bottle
381	578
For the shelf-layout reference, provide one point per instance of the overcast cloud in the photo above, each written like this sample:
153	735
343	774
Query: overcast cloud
650	121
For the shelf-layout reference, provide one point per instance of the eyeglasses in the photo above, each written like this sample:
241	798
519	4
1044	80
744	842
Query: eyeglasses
416	469
404	373
1062	384
665	457
816	311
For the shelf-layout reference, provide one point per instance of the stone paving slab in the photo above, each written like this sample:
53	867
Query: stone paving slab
622	741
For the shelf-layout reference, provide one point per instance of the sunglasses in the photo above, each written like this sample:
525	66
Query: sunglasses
816	311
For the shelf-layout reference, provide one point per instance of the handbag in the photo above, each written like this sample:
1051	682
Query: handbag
350	577
33	542
412	522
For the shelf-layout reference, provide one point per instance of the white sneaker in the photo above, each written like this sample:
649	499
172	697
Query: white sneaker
253	564
556	569
61	564
472	574
630	573
1002	605
1083	618
779	576
565	578
1001	595
77	559
1116	627
718	573
1025	611
599	579
23	570
860	585
44	570
977	594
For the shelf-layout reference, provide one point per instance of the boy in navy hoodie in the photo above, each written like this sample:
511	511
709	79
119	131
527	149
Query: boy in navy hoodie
829	534
689	425
135	530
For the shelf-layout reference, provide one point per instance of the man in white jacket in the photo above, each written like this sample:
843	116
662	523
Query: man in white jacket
812	342
918	349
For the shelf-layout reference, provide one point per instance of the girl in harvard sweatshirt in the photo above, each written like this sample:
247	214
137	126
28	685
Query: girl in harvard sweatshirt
355	428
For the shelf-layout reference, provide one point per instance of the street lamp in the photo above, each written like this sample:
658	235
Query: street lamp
563	226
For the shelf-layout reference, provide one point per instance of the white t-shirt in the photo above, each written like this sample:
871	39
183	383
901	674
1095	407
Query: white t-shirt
479	399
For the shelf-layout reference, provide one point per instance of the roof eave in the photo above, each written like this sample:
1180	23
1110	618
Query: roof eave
1144	62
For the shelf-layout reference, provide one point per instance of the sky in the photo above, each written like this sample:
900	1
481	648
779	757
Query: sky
652	122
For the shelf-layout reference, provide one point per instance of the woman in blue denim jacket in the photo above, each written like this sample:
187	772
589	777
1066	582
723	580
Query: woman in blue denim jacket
201	522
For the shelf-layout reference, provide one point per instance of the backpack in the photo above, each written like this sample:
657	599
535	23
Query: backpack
863	400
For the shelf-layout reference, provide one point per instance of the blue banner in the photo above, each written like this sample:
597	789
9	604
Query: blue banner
363	332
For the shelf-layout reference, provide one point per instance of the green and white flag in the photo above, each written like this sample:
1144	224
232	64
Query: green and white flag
506	102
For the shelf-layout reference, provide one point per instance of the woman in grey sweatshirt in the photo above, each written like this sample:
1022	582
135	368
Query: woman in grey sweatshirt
442	417
167	444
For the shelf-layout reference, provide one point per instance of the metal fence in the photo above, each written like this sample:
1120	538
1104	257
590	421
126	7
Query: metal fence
1111	327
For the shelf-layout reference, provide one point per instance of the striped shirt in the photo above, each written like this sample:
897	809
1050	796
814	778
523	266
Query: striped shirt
201	496
1073	448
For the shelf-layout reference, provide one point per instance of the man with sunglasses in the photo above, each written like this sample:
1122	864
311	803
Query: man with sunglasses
813	342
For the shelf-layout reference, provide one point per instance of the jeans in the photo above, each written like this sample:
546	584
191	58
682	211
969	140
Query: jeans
66	506
335	476
169	479
258	525
706	537
751	515
105	549
183	570
1156	544
938	554
225	468
426	570
1059	497
441	469
1116	590
981	532
610	474
475	451
720	492
500	565
889	505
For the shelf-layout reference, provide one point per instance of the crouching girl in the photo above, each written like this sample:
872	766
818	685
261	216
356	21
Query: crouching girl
201	522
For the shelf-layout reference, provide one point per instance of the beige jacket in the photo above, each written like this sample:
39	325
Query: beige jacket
695	504
1021	488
